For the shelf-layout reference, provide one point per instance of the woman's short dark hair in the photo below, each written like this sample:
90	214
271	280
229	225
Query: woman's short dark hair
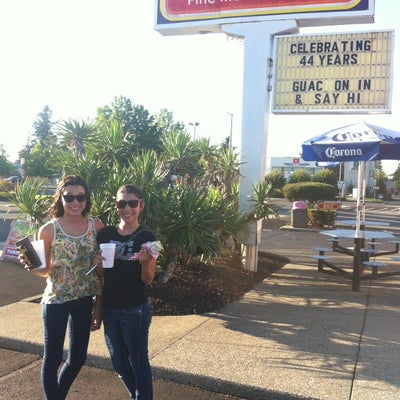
57	208
132	189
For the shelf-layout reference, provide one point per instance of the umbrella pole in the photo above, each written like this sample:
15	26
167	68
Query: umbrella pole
359	240
359	192
364	188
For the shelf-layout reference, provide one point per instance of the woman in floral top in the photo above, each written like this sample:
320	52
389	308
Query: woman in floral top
70	244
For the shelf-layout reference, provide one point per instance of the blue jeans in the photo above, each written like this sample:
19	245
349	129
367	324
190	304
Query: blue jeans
127	337
75	315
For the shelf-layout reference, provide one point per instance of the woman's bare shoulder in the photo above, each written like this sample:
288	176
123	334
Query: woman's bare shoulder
47	230
98	225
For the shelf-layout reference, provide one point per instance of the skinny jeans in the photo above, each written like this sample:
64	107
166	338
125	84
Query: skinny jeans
74	316
126	333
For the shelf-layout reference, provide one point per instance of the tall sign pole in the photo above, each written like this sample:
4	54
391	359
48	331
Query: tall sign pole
258	38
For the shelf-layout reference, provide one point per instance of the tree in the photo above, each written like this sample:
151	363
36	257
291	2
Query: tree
39	154
5	166
179	152
380	179
41	160
73	134
43	125
140	127
166	124
396	179
111	143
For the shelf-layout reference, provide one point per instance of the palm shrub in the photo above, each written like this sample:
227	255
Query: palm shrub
91	168
33	204
262	208
192	222
196	218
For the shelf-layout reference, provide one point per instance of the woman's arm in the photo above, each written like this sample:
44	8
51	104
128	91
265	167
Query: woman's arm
97	315
148	263
98	225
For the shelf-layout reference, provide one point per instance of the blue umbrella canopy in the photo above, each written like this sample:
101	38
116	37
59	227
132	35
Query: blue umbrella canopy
356	142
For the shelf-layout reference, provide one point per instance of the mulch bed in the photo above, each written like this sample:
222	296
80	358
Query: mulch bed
204	287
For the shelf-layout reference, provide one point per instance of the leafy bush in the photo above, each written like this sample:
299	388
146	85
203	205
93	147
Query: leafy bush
300	175
6	186
276	179
326	176
309	191
321	217
277	193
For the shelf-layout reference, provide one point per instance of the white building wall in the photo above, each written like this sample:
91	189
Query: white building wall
287	165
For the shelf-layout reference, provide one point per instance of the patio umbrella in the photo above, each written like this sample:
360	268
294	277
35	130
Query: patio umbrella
357	142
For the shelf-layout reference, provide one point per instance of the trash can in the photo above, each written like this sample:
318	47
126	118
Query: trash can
299	215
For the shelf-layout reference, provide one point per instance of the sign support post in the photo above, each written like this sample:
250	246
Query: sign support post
258	38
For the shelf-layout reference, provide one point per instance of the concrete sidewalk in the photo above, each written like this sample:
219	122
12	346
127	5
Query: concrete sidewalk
299	334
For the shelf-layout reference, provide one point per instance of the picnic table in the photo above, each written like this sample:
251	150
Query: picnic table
360	255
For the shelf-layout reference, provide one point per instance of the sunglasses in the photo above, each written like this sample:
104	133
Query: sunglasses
69	198
131	203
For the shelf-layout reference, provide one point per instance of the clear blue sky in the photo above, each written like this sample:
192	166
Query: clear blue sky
76	55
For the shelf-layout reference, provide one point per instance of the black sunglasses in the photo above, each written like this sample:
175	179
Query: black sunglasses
131	203
69	198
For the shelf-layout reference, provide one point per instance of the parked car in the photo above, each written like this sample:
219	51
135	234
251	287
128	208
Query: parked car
14	179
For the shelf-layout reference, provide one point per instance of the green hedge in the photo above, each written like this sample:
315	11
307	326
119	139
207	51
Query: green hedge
309	191
322	217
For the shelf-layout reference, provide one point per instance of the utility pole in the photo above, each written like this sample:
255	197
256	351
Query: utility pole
195	125
230	132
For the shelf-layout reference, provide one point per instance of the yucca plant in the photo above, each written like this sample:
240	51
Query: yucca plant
192	222
32	201
262	208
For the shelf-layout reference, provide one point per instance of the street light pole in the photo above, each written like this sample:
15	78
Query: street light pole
195	125
230	132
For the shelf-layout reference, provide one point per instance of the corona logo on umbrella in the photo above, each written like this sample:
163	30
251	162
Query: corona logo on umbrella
357	142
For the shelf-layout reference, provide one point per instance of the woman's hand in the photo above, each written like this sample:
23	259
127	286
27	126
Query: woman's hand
23	260
97	313
144	254
98	261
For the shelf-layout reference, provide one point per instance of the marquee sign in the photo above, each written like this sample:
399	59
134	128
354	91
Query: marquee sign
182	16
333	73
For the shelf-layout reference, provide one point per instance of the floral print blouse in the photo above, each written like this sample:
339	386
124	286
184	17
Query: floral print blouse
71	259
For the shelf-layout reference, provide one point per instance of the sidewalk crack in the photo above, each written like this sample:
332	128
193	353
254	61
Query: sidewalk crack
359	343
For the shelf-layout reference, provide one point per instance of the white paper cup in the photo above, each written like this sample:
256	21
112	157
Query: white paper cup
108	252
38	245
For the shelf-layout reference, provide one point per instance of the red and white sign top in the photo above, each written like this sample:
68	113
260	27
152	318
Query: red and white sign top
189	13
181	8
